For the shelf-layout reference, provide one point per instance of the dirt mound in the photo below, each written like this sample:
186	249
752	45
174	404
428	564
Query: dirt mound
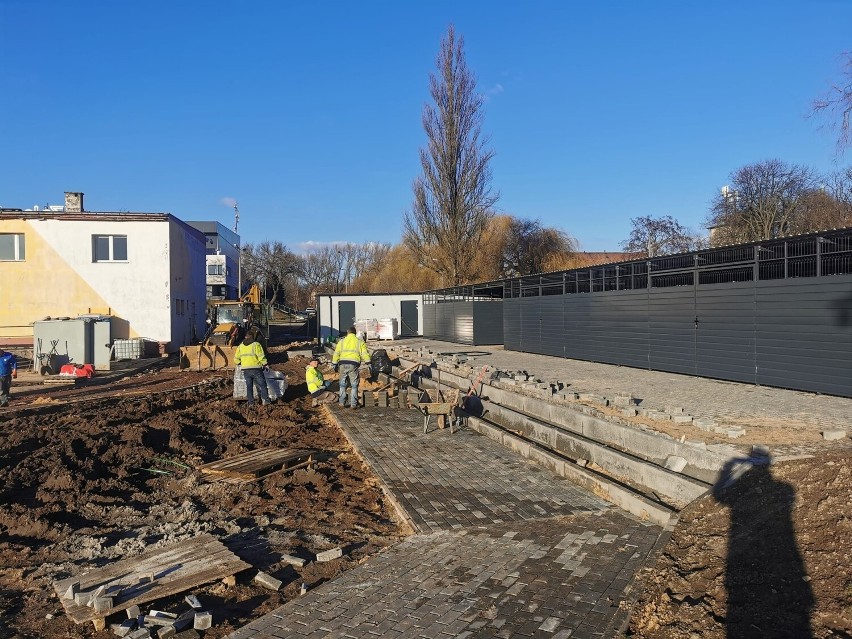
767	555
86	481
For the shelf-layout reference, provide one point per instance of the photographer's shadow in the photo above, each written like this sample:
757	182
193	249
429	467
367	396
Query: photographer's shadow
767	586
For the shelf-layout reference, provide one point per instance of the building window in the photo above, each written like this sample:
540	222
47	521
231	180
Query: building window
109	248
215	269
12	247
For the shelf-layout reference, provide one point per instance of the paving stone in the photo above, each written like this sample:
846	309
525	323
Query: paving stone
832	435
493	530
293	561
704	423
267	581
329	555
733	433
202	621
682	419
675	463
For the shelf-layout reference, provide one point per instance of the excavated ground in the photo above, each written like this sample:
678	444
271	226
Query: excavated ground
766	556
83	482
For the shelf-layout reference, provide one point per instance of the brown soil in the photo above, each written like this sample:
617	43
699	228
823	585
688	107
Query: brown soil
80	489
765	556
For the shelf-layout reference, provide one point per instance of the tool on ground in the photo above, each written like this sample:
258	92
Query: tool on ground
479	379
399	378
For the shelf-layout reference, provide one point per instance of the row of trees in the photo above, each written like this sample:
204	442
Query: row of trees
452	234
765	200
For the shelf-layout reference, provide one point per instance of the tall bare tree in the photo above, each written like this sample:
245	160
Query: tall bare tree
452	198
272	266
836	105
652	236
529	246
765	200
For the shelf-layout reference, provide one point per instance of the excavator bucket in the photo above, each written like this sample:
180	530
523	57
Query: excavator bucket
209	357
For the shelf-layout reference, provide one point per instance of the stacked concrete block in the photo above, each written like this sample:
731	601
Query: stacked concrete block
382	398
623	400
704	423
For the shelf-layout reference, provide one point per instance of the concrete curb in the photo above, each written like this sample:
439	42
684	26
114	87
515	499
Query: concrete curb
612	492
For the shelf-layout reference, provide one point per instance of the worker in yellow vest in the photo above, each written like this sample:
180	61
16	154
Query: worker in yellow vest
317	386
349	353
252	360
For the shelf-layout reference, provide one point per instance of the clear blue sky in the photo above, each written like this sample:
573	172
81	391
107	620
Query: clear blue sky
308	113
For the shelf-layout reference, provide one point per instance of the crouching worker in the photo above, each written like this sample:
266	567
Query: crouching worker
317	386
251	358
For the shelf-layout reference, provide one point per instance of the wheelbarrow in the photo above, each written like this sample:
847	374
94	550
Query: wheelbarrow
445	411
443	408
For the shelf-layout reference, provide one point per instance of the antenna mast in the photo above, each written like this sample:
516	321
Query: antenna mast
236	216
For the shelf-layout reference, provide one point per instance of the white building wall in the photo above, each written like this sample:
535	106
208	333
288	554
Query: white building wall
187	255
139	290
366	307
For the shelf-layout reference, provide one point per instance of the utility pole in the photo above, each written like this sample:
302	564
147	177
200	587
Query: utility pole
239	251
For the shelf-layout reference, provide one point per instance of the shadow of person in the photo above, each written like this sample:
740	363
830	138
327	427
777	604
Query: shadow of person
767	587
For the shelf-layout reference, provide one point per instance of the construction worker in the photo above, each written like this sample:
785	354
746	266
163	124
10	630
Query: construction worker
317	386
349	353
251	358
8	372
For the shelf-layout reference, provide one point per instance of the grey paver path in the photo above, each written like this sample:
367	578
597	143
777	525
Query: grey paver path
503	548
728	402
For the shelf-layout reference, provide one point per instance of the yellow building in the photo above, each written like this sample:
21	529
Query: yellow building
146	270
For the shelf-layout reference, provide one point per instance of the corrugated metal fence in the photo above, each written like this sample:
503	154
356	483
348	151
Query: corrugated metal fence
777	313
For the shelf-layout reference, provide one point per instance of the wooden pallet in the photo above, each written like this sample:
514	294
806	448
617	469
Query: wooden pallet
175	569
257	464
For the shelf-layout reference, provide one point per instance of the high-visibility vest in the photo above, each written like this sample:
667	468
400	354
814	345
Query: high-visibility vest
350	350
250	355
313	377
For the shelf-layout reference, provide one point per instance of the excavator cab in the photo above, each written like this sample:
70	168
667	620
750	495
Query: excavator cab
228	322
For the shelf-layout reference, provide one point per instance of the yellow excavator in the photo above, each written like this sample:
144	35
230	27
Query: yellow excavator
228	322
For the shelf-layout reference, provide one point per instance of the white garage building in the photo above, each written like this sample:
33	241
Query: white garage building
337	312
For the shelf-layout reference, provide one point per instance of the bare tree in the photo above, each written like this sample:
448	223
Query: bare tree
652	236
272	266
836	105
452	198
765	200
529	246
321	269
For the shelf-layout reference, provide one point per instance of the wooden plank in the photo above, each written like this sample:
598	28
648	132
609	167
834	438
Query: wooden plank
240	459
244	480
252	464
176	568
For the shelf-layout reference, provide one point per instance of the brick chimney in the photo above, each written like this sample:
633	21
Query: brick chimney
73	202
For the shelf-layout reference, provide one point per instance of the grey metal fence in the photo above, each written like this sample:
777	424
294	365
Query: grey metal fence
777	313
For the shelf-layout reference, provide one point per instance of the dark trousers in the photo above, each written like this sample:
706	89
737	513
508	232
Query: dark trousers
5	387
255	377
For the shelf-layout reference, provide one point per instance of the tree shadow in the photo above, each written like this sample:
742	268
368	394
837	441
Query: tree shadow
767	587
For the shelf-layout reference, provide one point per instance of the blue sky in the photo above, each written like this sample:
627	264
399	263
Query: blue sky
308	114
